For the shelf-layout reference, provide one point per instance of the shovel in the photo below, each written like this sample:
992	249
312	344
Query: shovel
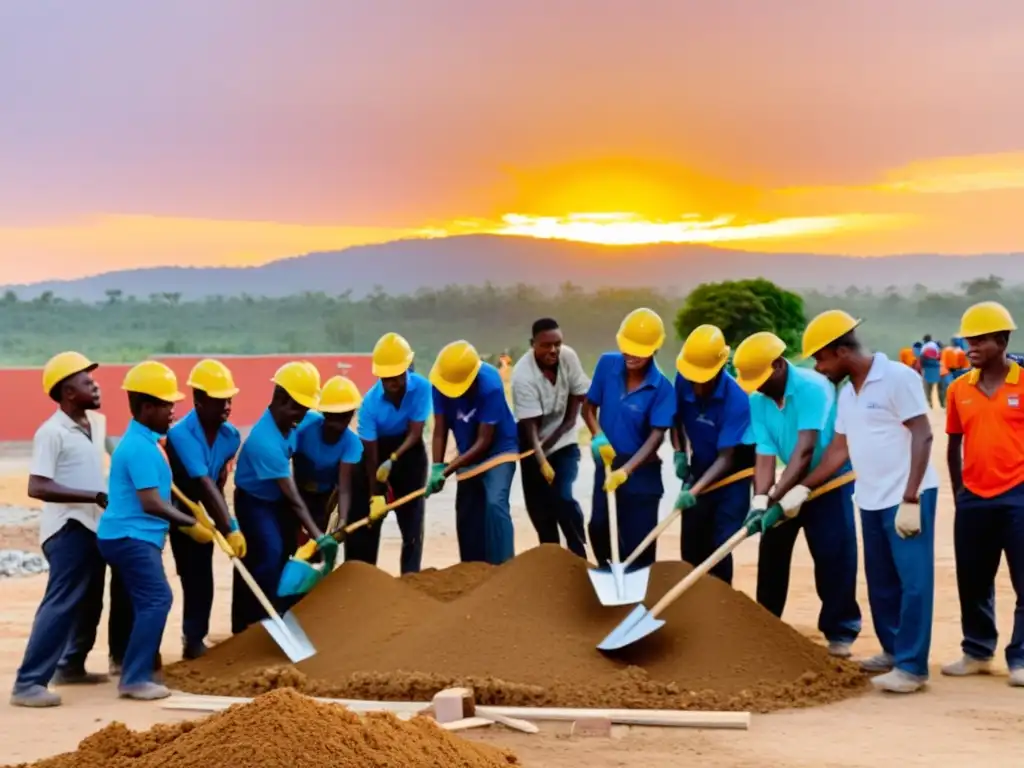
640	622
285	630
613	585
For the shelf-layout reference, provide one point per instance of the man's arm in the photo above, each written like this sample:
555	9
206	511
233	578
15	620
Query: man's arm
440	440
298	506
532	430
345	492
153	504
954	461
371	452
477	451
716	471
529	412
413	437
650	447
569	421
797	466
835	456
590	416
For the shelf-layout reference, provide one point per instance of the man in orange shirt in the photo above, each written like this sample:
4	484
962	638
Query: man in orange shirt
985	423
948	364
907	357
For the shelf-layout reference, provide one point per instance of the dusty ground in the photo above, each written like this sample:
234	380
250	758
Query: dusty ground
967	722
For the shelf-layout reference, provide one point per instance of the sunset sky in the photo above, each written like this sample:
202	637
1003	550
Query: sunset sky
239	131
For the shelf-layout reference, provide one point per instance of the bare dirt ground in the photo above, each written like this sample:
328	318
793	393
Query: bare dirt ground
954	722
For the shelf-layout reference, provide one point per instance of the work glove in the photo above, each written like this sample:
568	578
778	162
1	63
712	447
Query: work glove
908	521
770	518
436	480
793	500
384	470
236	540
682	464
378	508
327	546
685	500
198	533
547	471
757	507
614	480
602	449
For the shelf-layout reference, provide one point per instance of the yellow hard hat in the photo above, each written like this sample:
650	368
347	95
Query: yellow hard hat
826	328
392	356
339	395
214	378
754	358
986	317
60	367
301	380
703	355
155	379
641	334
455	369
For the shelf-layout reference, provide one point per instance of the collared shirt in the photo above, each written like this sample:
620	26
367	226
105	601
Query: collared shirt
534	396
484	403
714	423
992	429
809	403
138	464
64	452
879	443
265	459
198	458
317	462
379	417
628	418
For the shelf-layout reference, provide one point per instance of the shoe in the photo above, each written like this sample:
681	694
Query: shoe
35	697
114	667
840	650
898	681
144	691
192	651
1017	677
880	662
78	677
967	666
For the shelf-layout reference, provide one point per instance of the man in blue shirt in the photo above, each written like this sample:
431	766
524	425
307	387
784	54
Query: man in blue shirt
268	504
469	399
391	421
133	529
712	420
629	408
792	418
200	449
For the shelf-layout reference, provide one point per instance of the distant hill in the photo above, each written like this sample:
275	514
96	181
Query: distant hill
407	265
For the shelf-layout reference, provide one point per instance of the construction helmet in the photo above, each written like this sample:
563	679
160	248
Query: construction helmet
455	369
301	380
155	379
214	378
826	328
60	367
339	395
641	334
754	358
703	355
392	356
986	317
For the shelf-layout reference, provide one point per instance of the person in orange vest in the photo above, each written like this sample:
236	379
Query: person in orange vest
907	357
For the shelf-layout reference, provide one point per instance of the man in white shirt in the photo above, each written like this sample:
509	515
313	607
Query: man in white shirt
548	389
882	427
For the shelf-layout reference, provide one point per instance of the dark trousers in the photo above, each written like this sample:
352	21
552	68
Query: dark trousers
194	562
552	506
270	531
828	523
483	516
408	474
707	526
636	503
983	530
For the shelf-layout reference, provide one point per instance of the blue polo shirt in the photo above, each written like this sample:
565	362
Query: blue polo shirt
379	417
714	423
265	458
809	403
485	403
137	464
316	462
193	450
627	418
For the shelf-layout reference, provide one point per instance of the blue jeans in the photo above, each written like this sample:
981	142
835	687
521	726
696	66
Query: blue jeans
483	516
901	583
982	531
831	532
636	503
707	526
271	532
552	506
142	569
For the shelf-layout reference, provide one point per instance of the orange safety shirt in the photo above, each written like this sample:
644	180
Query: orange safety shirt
993	432
947	360
907	356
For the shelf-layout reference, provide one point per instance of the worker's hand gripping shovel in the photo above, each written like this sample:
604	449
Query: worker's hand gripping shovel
640	622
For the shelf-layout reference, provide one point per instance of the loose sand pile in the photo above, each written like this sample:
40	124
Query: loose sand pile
526	635
282	729
450	583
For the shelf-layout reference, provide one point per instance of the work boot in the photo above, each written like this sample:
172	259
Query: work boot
78	677
144	691
193	650
1017	677
880	662
967	666
35	697
840	650
898	681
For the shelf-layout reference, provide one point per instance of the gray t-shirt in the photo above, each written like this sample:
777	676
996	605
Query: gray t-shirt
533	395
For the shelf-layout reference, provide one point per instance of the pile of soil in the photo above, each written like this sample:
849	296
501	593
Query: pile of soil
281	730
450	583
526	636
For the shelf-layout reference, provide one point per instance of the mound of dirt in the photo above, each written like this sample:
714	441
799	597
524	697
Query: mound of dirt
280	730
450	583
526	636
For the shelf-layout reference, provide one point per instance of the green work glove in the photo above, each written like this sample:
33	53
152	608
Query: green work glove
328	547
770	518
436	480
682	462
685	499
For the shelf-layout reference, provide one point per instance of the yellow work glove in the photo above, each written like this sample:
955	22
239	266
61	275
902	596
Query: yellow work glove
378	508
547	471
236	540
614	480
384	470
198	533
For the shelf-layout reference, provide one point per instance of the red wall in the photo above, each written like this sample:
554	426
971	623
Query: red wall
25	406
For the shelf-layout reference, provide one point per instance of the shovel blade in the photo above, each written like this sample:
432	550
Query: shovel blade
290	637
638	625
604	585
297	578
617	586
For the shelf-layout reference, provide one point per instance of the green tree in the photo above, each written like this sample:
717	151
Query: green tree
743	307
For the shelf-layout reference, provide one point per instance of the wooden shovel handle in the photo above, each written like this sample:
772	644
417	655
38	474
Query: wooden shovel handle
613	518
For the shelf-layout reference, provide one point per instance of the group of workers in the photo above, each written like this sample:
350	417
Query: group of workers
938	365
303	473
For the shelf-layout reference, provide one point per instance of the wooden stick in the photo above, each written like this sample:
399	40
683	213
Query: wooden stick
613	524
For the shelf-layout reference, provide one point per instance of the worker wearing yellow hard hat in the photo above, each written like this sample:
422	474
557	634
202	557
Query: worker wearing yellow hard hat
201	448
792	419
629	407
470	402
985	424
268	504
391	422
711	443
